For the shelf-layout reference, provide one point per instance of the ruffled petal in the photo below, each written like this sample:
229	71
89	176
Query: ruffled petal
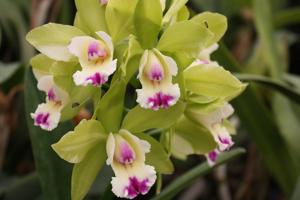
139	180
222	137
156	99
155	73
94	76
47	115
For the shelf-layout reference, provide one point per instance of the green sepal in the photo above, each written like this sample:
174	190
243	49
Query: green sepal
139	119
110	108
119	17
189	137
74	145
176	6
214	22
184	37
92	15
157	157
85	172
52	40
147	21
212	81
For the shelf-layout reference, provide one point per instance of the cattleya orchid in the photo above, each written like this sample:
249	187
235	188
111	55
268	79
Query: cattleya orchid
186	103
95	57
155	73
126	155
47	115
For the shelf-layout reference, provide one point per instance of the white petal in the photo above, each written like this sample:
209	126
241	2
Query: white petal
110	149
205	53
89	77
222	137
172	65
78	44
217	116
46	83
47	116
143	63
107	40
139	180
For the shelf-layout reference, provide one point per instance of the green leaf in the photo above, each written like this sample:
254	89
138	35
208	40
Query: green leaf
184	36
176	6
92	15
213	81
157	156
85	172
214	22
74	145
54	173
190	138
288	121
119	17
276	85
52	40
8	70
288	16
110	109
147	21
263	21
189	177
139	119
296	193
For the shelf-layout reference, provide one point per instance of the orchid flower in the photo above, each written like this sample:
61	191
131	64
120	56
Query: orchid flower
95	57
213	122
204	56
212	156
155	73
126	155
47	115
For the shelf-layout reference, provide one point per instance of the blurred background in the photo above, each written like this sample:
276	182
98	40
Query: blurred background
262	46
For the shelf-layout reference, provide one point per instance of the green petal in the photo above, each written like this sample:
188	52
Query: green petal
52	40
74	145
147	21
212	81
157	157
214	22
92	15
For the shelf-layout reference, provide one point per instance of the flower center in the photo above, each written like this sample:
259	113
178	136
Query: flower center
96	52
125	154
156	72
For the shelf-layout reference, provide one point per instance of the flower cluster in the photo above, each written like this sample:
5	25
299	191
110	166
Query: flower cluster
162	53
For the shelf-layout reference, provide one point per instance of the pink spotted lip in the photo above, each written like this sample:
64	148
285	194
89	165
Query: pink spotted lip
160	100
156	73
136	187
97	79
42	119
